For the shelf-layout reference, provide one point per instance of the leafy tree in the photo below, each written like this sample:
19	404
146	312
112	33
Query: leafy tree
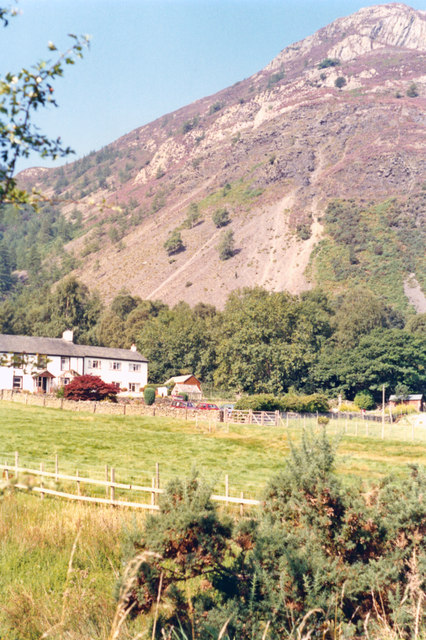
384	356
358	312
124	303
221	218
193	215
266	342
340	82
226	245
88	387
178	340
174	243
417	324
364	400
21	94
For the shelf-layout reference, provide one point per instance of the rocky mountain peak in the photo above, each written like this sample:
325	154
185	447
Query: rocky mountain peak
369	29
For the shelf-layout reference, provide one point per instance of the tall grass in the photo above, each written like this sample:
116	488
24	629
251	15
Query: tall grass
59	565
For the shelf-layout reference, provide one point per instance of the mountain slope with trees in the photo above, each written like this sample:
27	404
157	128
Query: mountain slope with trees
318	161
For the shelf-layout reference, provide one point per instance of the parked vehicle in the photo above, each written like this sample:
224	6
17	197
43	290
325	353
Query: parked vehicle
228	408
207	406
182	404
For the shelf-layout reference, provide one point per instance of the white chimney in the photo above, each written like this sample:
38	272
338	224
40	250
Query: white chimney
133	347
68	335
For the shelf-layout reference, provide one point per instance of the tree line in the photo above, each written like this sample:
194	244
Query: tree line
261	342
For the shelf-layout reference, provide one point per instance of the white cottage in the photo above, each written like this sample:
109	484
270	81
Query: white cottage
41	364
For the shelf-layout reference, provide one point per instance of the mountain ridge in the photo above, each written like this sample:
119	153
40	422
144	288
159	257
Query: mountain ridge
274	150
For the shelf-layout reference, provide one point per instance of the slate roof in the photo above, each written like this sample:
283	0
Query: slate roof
61	347
410	396
180	379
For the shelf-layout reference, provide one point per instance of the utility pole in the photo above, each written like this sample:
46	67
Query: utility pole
383	412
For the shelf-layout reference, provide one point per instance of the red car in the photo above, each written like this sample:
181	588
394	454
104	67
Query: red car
207	406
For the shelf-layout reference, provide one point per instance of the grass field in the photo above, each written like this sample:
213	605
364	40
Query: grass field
249	454
60	561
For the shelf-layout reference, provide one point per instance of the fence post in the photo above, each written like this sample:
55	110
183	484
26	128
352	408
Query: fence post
153	493
41	480
157	474
262	418
56	467
227	488
112	489
250	416
16	466
106	478
287	418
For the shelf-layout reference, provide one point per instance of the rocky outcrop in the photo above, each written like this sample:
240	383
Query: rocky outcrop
272	150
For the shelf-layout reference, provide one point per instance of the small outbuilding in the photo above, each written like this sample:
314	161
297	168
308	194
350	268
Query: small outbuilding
189	384
412	400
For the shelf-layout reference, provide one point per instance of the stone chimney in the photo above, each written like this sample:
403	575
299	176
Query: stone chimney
68	335
133	347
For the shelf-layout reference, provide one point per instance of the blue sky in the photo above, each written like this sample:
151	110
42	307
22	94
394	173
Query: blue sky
150	57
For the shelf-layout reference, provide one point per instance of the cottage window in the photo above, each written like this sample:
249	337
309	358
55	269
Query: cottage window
134	387
65	364
17	382
115	366
116	384
134	367
94	364
41	361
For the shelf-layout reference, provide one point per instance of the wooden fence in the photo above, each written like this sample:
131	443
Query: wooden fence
14	474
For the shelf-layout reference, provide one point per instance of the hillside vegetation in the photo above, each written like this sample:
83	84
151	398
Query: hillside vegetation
275	150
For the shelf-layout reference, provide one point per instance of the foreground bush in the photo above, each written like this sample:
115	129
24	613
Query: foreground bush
314	557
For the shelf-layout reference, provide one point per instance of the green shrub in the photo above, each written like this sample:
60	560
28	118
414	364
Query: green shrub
340	82
226	245
344	560
259	402
403	410
149	395
221	218
328	62
174	243
364	400
215	107
412	91
303	403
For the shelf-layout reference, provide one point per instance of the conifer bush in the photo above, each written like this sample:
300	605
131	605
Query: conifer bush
149	395
316	556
